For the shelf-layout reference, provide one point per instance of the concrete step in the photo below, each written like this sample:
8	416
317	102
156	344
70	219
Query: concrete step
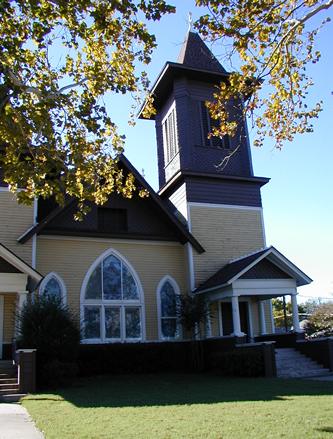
12	397
9	390
292	364
13	385
8	380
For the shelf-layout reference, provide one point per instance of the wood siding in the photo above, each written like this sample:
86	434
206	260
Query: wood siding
14	220
178	199
225	233
201	190
71	259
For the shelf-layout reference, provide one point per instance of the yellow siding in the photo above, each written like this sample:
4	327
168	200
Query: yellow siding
15	219
9	317
225	233
71	259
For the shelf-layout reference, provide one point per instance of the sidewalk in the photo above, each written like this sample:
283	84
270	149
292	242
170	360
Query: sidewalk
16	423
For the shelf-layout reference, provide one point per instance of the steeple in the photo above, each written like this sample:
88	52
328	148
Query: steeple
196	55
186	153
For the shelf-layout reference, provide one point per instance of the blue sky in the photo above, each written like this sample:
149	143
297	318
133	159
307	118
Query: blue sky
298	201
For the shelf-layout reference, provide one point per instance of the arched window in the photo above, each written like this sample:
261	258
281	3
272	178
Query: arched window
168	299
53	286
111	301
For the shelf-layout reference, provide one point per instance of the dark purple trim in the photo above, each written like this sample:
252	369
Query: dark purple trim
96	234
40	226
179	178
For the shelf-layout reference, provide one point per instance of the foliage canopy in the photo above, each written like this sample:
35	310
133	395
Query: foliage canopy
57	137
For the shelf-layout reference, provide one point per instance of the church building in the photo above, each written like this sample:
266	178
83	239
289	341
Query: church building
121	269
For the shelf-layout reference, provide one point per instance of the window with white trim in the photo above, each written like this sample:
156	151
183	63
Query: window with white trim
170	137
169	304
112	307
207	124
53	286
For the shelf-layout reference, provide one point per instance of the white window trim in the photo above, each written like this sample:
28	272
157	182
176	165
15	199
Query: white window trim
167	159
102	303
175	286
56	276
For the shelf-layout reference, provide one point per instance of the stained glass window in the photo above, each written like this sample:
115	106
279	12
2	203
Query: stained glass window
169	306
52	287
113	290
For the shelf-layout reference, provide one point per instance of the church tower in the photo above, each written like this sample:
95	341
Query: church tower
222	206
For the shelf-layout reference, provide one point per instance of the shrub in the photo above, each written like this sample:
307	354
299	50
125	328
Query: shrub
47	325
320	323
238	362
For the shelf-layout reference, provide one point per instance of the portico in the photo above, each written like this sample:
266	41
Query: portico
241	292
16	280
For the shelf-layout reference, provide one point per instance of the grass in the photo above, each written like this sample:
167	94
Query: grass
185	406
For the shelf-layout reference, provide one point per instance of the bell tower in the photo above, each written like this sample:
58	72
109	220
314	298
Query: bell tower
221	205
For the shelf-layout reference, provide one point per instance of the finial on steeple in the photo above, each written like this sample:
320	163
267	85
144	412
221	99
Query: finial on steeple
190	21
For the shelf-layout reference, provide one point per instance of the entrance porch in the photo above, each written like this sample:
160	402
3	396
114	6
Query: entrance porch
238	296
16	280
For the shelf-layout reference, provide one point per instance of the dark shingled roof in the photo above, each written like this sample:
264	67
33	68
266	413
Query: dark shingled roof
226	273
244	268
195	54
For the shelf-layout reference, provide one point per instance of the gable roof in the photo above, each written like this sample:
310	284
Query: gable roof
195	54
163	208
238	268
18	263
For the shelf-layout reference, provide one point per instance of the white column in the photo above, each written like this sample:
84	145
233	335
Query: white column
295	313
208	322
21	299
272	316
262	317
219	312
235	317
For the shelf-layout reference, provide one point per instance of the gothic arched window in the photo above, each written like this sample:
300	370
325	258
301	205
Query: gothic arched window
111	301
53	286
168	299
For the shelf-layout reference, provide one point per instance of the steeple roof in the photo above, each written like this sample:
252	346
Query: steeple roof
195	54
195	62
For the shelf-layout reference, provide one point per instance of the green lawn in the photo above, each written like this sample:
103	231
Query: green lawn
185	406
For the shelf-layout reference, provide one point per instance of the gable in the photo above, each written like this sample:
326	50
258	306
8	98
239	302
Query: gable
265	269
6	267
134	218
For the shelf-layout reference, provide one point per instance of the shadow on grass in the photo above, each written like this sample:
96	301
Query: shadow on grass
326	429
175	389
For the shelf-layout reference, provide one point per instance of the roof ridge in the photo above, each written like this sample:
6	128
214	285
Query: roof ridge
247	255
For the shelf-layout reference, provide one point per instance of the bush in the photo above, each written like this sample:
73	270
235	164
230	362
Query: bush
320	323
134	358
241	362
47	325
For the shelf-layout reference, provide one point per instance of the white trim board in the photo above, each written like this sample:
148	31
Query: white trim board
13	282
223	206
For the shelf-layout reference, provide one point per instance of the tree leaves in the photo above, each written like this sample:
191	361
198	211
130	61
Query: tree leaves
274	43
58	59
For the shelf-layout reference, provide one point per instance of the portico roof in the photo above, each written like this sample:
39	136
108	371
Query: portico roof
11	263
277	266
